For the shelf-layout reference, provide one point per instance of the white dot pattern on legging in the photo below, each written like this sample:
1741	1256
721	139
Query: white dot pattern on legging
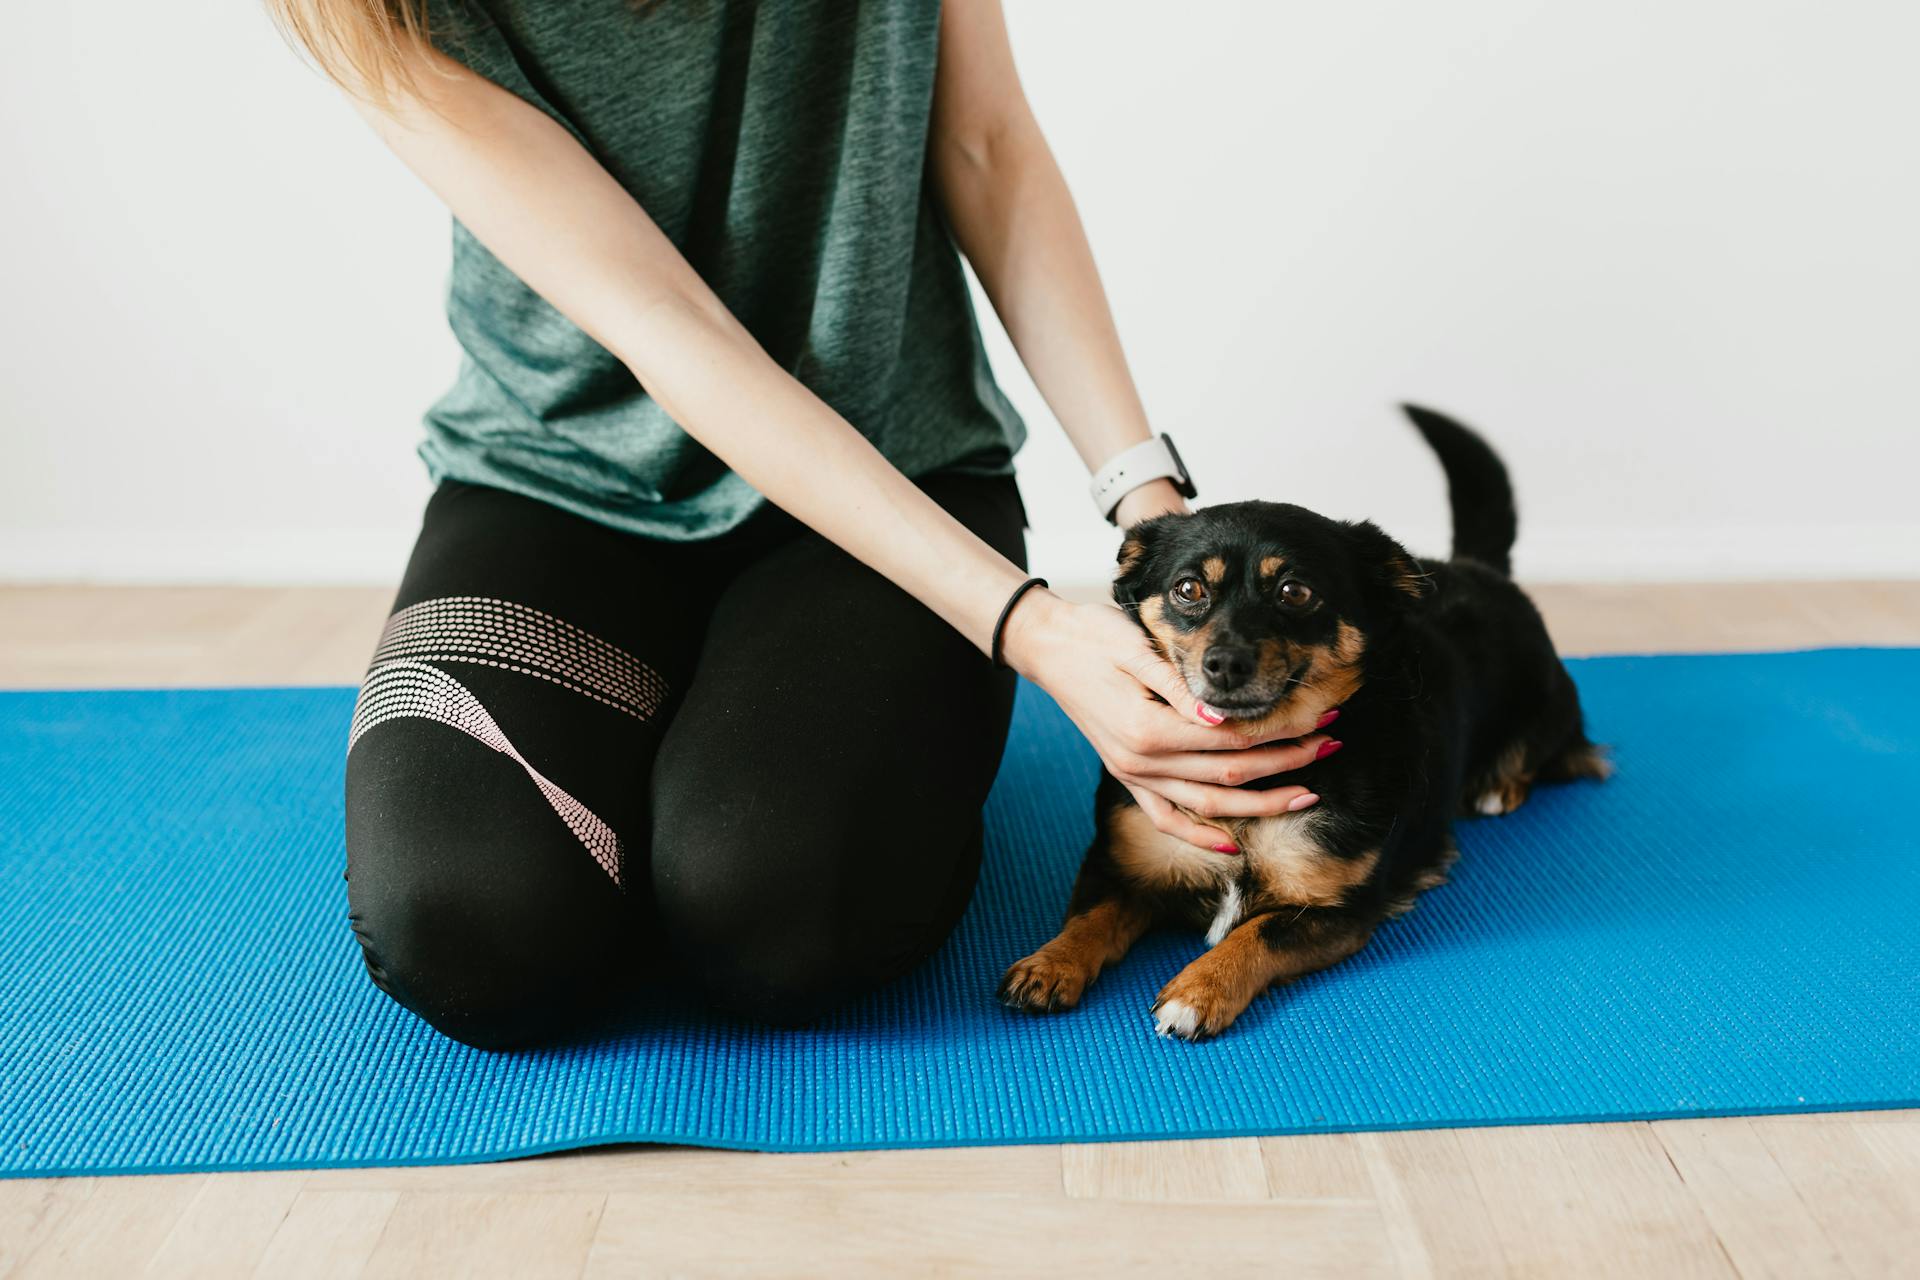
500	633
406	688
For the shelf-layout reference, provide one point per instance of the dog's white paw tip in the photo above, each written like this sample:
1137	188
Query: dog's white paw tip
1492	804
1177	1018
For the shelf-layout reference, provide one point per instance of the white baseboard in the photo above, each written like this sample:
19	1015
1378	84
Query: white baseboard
1077	557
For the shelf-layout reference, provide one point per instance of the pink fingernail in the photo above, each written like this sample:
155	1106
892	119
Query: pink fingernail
1327	748
1226	848
1301	802
1208	714
1327	719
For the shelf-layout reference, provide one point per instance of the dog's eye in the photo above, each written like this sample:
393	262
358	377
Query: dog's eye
1190	591
1297	594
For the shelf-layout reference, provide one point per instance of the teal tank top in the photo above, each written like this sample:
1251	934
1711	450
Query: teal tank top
782	147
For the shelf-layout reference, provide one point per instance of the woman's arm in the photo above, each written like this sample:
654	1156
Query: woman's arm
554	216
1015	220
541	204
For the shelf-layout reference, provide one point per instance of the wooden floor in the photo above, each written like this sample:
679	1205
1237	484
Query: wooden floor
1783	1196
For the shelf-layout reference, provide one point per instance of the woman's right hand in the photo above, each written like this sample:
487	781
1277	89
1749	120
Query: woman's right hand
1146	725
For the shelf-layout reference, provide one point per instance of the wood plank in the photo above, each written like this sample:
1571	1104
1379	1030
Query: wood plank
821	1230
1212	1171
1590	1200
1649	1221
1880	613
1032	1171
1760	1219
527	1235
327	1235
116	1230
302	637
225	1230
1317	1166
1443	1227
31	1210
1402	1230
59	637
1599	618
1894	1139
1591	618
1872	1218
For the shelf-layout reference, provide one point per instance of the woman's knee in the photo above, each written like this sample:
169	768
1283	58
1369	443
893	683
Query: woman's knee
475	906
452	959
782	932
493	959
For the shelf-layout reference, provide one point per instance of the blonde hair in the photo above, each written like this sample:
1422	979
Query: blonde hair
374	49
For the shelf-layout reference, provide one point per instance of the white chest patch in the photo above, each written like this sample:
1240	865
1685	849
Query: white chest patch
1227	916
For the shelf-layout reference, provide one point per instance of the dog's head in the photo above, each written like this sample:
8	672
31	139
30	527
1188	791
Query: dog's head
1265	609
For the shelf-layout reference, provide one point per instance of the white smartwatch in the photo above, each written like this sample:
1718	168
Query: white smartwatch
1154	459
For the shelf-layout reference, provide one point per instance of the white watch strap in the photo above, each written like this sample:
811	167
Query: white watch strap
1144	462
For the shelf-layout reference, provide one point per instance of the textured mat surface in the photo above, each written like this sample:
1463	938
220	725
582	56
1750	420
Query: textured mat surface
1726	927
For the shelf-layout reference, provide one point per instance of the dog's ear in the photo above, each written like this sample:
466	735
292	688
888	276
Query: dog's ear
1132	572
1393	577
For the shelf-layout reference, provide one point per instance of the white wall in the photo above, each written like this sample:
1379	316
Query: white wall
1665	253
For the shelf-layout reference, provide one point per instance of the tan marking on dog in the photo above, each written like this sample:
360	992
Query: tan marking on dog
1332	678
1271	566
1058	974
1181	648
1152	613
1348	644
1152	859
1408	578
1588	760
1132	551
1289	865
1215	570
1207	995
1272	659
1292	868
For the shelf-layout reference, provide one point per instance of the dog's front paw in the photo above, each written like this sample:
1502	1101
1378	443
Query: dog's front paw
1045	982
1194	1006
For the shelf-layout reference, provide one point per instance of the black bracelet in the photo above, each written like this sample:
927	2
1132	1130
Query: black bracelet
1000	627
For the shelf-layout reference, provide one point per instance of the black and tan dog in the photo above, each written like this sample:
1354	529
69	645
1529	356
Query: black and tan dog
1450	695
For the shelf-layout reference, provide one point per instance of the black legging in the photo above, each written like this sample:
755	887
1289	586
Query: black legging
581	757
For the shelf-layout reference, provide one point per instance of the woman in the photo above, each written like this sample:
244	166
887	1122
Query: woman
690	668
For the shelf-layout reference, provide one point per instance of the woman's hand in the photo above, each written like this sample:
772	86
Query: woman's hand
1104	674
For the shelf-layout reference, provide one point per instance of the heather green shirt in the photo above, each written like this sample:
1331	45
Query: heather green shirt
782	147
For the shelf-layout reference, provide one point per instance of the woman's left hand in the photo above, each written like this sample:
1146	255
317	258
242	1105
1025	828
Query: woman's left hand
1148	729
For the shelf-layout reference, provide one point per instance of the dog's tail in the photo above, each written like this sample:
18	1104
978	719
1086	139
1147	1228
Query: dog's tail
1484	520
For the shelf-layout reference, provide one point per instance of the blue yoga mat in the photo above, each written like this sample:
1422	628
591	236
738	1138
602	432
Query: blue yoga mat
1727	927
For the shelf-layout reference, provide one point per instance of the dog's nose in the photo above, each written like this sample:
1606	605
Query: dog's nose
1228	666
